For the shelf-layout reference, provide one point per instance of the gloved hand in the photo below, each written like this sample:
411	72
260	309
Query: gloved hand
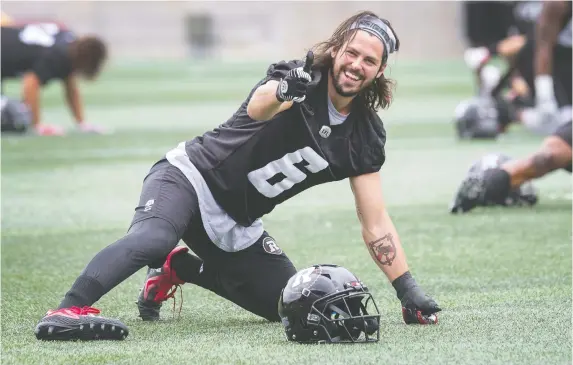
419	308
294	86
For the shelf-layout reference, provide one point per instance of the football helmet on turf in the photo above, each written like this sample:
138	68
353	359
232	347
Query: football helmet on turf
482	118
328	304
472	190
16	116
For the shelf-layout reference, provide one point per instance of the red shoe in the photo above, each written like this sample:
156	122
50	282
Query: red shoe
160	285
49	130
75	323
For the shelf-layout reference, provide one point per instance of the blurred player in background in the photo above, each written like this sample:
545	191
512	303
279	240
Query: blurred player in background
38	53
305	123
493	28
548	54
493	110
486	22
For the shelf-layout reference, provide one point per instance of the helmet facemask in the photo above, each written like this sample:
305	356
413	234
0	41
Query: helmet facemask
344	317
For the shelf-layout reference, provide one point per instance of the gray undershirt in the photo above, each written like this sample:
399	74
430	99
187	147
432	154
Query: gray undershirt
335	117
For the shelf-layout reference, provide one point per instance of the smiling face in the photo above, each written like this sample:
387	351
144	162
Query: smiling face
357	63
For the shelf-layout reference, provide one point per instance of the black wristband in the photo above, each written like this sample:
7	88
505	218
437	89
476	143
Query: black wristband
403	283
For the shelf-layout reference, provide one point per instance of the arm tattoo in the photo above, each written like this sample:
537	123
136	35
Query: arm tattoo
384	249
544	162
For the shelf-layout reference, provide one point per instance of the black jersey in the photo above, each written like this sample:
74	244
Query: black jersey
39	48
251	166
525	15
565	37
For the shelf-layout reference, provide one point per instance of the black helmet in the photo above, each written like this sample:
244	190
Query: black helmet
472	190
327	303
481	118
526	194
16	116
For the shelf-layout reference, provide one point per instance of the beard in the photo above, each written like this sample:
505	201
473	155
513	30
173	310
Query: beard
339	88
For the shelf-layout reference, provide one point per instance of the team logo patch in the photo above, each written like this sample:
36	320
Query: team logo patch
270	246
149	205
324	131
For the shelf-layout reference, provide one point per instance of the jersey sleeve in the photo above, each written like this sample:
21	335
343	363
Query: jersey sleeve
377	157
374	151
54	63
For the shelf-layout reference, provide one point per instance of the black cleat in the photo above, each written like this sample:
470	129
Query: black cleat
160	285
71	324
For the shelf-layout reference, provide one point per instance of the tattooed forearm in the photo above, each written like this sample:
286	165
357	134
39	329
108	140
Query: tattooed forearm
384	249
543	163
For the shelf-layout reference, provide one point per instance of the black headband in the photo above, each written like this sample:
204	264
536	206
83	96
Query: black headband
381	30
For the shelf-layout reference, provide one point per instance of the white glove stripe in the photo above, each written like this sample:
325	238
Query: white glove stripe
303	74
300	73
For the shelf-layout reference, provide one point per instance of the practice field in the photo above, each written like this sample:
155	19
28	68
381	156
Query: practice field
502	276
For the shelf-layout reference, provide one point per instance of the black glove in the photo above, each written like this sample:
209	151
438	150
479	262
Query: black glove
419	308
294	86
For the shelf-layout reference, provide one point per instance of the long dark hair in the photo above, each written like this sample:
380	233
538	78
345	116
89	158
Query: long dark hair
379	93
88	55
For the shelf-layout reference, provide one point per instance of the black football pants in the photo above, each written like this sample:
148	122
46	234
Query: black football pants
561	70
168	211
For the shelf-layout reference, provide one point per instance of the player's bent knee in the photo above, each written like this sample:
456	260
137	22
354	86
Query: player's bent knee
271	314
268	308
155	237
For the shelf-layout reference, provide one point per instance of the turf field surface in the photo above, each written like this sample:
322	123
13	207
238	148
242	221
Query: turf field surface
502	276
